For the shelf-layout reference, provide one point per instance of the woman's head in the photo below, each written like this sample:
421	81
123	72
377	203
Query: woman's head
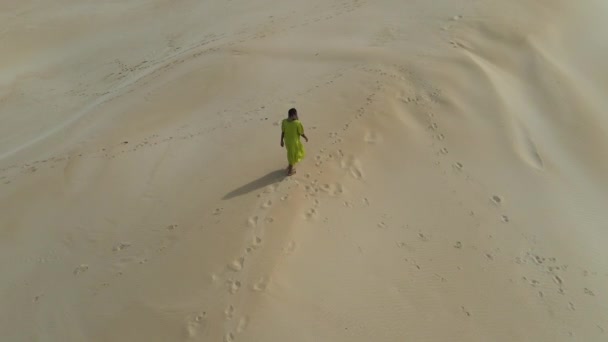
292	114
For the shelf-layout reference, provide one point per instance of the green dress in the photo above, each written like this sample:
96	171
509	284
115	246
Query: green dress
292	129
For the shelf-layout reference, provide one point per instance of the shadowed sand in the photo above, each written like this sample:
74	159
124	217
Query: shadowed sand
262	182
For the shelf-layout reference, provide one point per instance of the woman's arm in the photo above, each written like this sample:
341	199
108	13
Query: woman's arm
301	131
282	137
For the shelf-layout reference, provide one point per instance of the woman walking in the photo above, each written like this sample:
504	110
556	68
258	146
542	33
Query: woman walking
291	130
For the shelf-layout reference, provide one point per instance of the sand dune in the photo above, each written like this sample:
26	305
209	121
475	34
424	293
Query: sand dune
454	187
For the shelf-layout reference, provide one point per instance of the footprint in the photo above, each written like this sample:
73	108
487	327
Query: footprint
237	264
458	166
311	213
81	269
504	218
261	284
458	245
371	138
589	292
353	165
229	312
310	190
557	280
252	222
291	247
381	225
195	323
532	282
497	200
270	189
269	220
538	259
444	151
229	337
214	278
121	246
242	325
218	211
332	189
356	173
233	286
442	279
405	246
172	227
267	204
257	241
456	44
360	112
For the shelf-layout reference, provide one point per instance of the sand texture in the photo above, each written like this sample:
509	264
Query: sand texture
455	186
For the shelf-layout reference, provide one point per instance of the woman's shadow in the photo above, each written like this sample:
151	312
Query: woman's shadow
271	178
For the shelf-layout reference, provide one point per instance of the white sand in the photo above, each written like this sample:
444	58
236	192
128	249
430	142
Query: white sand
455	187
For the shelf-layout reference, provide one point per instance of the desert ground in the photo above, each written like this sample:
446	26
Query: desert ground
455	186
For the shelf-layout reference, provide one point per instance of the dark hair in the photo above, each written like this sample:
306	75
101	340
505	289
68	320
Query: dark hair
293	113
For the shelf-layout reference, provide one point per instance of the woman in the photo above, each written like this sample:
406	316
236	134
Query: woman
291	130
